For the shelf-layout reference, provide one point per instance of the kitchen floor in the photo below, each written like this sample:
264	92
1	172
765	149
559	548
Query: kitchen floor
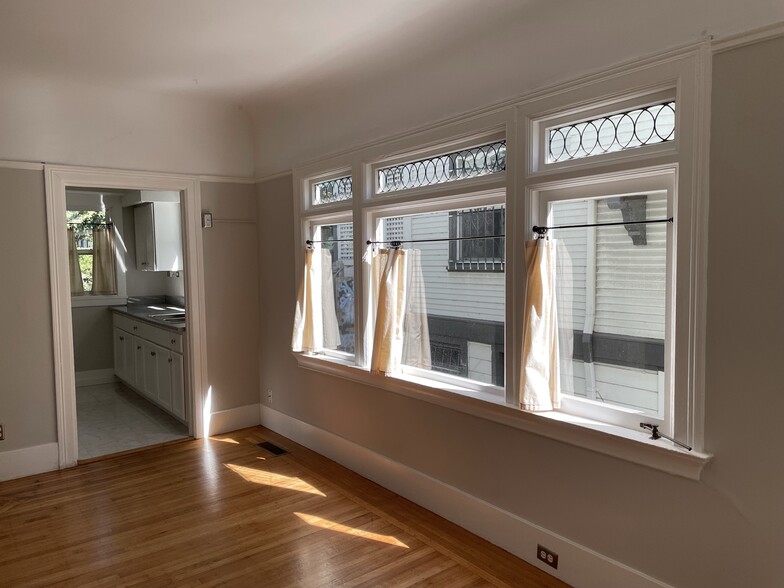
112	418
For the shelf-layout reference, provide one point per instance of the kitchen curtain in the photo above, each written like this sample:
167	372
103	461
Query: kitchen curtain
74	270
104	278
315	318
540	385
400	332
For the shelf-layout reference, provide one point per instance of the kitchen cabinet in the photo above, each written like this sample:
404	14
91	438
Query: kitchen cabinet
149	359
158	234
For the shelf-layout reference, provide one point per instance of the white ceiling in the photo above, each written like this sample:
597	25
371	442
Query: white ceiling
227	49
312	76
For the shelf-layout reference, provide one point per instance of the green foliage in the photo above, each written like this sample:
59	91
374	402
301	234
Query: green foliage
82	222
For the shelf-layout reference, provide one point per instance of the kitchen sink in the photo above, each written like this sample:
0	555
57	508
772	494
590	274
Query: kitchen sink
168	317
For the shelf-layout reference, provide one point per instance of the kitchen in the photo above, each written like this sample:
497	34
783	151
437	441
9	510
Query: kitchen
128	316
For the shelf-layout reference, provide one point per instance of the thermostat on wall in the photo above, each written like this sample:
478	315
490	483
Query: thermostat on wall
206	220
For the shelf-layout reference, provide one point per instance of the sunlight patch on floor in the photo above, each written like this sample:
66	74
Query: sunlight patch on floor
333	526
273	479
225	440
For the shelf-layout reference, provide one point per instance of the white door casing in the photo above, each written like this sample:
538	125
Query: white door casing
57	179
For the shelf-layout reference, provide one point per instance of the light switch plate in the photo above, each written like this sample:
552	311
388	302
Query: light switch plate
206	220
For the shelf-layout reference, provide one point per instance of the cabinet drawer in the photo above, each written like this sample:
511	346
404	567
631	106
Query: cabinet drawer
126	323
164	338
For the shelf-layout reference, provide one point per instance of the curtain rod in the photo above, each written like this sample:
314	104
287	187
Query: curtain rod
92	224
398	242
542	230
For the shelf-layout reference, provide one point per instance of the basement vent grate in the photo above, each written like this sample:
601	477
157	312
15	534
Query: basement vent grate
272	448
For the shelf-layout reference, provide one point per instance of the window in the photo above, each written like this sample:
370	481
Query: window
449	167
336	238
465	312
616	132
330	191
83	228
628	290
470	254
612	297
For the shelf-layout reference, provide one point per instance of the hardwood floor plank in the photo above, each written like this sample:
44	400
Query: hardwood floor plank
224	512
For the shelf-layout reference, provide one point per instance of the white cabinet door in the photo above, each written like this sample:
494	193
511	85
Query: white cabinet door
177	384
164	377
145	237
158	231
121	341
150	355
138	363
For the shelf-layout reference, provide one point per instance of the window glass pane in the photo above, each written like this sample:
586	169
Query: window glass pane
611	288
467	163
607	134
337	239
82	222
336	190
465	310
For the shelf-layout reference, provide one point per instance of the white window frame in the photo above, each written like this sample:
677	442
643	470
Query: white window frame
470	197
683	75
600	109
658	179
114	215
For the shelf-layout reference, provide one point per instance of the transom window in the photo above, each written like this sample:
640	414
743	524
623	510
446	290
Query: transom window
449	167
615	132
329	191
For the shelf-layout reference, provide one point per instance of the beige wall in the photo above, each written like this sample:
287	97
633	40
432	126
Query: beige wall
231	274
60	121
26	367
92	334
726	530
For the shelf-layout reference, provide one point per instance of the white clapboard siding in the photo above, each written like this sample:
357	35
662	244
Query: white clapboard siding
620	385
571	256
631	279
470	295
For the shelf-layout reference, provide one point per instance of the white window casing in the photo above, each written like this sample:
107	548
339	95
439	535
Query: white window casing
677	168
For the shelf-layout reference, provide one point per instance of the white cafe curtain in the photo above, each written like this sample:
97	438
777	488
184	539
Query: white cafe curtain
540	385
104	278
315	318
74	270
400	332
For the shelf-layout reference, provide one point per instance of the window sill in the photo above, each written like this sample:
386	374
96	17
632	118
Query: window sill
612	440
89	300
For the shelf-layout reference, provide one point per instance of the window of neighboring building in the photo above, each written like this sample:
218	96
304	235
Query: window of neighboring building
469	254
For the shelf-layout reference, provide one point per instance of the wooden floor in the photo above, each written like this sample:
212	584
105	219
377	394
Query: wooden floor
224	512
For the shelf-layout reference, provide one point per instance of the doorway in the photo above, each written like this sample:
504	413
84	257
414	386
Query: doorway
127	279
83	183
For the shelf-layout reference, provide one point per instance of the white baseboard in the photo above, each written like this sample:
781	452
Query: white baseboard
93	377
578	565
29	461
232	419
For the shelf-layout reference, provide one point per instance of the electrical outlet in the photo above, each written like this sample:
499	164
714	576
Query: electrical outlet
547	556
269	395
2	432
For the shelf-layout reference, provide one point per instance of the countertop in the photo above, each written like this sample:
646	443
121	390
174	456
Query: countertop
154	314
